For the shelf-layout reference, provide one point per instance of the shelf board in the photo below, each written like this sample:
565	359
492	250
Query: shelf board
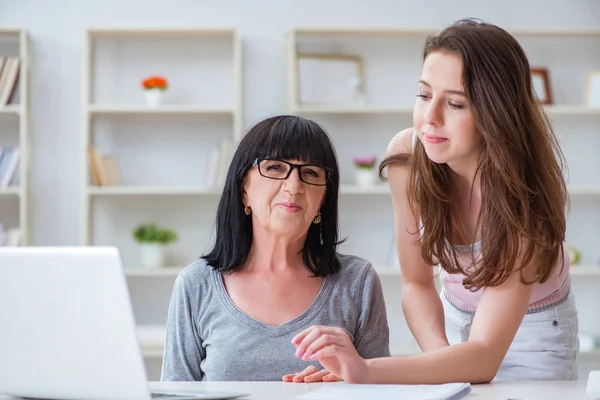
584	190
352	109
173	271
98	110
576	270
575	32
346	189
384	270
10	191
394	31
10	31
153	272
374	109
110	33
364	31
13	109
356	189
585	270
564	109
150	191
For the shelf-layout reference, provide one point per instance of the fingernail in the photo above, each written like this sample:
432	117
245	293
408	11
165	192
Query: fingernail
298	353
294	340
313	356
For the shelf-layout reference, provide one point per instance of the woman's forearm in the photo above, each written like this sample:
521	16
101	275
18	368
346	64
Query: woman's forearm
417	301
464	362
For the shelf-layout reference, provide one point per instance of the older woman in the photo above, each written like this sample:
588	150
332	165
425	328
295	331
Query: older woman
273	269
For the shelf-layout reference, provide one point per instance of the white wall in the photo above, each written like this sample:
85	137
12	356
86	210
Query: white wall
57	36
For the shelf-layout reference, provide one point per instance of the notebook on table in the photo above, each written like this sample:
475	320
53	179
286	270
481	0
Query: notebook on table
448	391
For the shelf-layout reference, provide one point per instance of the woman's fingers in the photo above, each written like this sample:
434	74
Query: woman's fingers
298	338
317	376
331	378
327	351
322	341
288	377
299	377
312	334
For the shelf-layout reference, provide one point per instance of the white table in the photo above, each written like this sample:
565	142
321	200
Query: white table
286	391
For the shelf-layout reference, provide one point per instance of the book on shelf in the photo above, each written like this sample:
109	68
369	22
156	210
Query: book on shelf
104	169
9	79
9	162
218	162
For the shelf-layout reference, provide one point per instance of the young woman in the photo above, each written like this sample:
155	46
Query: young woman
477	188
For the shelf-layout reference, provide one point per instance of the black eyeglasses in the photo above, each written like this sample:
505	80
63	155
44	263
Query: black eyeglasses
274	168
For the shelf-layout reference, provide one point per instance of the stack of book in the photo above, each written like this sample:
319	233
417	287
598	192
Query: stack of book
9	162
9	78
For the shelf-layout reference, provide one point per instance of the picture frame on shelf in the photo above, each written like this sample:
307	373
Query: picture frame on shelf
593	89
540	78
330	79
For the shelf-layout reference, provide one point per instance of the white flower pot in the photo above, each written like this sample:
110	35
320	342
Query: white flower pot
153	97
365	177
152	255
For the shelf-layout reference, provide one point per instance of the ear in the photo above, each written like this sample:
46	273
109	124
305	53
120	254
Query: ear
245	183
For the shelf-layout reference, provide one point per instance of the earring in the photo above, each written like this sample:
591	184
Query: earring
317	219
247	210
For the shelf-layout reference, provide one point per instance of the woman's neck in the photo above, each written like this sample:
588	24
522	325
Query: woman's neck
271	252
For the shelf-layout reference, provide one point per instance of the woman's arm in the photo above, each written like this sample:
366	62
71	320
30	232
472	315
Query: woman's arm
498	317
420	300
183	347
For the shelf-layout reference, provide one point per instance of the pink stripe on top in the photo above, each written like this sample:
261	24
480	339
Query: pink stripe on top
544	295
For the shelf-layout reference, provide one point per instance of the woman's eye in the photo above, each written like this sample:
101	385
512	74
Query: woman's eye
456	105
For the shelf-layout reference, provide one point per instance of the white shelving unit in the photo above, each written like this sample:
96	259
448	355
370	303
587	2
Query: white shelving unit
116	99
390	66
14	131
162	151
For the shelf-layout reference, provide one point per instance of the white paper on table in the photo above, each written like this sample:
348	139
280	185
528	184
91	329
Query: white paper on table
449	391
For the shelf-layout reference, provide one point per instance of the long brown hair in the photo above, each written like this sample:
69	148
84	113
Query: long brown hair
523	190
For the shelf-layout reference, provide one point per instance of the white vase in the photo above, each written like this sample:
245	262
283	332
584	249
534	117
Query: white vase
152	255
153	97
365	177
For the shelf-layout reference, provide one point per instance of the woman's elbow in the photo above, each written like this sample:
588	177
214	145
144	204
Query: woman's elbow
482	378
485	371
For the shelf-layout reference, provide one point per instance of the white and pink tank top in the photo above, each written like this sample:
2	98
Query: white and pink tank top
544	295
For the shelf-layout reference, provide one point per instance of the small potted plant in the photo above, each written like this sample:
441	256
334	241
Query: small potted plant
365	170
152	240
154	87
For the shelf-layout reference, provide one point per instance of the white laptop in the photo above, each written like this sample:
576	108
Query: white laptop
67	328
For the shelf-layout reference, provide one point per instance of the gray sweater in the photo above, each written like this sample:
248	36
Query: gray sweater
210	339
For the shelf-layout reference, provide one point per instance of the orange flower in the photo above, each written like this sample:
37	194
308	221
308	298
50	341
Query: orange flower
155	82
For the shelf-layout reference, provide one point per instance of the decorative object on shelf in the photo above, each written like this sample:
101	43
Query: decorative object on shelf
540	78
330	79
593	90
154	88
365	170
573	255
152	240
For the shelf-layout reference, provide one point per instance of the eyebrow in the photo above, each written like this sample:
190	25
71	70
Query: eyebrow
458	92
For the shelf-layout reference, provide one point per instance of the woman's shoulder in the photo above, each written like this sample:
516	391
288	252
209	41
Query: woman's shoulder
401	143
354	268
197	273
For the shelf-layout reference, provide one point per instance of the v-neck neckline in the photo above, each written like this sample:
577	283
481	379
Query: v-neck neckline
275	330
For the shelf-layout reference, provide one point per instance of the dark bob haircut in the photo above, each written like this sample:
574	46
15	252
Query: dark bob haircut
286	137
